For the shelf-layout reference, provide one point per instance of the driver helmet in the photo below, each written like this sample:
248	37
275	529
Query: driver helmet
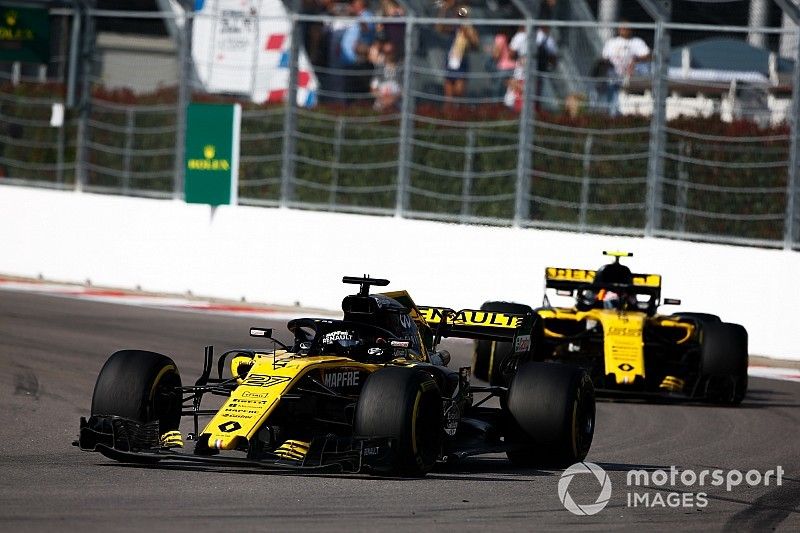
617	300
587	298
611	300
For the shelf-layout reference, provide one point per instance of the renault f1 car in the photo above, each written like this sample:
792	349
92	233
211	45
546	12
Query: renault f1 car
614	331
368	393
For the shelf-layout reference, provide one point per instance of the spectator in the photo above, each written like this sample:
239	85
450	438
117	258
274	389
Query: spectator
460	39
628	55
502	62
315	38
546	48
386	84
393	32
548	10
334	78
356	42
605	85
546	59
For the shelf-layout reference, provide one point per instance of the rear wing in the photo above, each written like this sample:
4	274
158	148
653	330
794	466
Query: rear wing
572	279
481	325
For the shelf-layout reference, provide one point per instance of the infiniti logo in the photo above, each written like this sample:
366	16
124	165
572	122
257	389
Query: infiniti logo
602	479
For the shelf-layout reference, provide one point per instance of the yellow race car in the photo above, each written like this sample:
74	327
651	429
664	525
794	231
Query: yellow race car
614	331
368	393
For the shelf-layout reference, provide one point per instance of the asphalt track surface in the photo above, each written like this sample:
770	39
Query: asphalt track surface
51	349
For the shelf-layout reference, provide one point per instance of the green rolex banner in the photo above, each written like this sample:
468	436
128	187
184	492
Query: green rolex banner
212	153
24	34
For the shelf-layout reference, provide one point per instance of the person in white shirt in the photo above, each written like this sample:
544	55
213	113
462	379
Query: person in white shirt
628	55
547	49
625	51
546	56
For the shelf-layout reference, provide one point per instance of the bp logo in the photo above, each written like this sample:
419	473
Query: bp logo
209	151
583	469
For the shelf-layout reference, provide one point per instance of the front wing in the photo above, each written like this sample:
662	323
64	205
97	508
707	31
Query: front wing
129	441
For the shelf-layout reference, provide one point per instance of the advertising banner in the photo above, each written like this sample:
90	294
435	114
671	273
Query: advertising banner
24	34
212	153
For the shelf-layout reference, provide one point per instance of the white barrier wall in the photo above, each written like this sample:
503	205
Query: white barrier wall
283	256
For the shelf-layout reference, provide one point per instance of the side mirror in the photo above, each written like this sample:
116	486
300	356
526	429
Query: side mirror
671	301
261	332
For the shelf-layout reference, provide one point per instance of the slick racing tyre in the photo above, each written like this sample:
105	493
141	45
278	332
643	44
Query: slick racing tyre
404	404
552	415
489	355
723	362
140	386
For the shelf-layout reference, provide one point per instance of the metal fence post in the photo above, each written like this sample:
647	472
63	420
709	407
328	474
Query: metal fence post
526	128
338	140
60	149
466	185
184	39
682	188
655	163
86	51
290	116
406	123
791	237
586	183
130	119
74	49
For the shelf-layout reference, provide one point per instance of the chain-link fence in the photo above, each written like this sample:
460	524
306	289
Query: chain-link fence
445	117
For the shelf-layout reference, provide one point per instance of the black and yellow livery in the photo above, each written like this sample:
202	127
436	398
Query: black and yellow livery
367	393
615	332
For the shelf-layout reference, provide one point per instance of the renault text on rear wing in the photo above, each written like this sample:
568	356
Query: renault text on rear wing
577	278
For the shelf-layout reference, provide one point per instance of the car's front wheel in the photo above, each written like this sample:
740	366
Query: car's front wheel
405	405
141	386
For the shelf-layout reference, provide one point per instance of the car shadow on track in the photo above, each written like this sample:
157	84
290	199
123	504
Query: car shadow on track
439	473
467	469
473	469
761	398
755	399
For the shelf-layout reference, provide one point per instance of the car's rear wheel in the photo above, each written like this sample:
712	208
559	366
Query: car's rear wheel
552	412
403	404
489	355
723	362
141	386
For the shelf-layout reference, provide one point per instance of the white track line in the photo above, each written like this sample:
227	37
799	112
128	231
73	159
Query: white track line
769	372
155	301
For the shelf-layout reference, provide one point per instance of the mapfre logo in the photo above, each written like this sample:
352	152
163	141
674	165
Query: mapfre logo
583	469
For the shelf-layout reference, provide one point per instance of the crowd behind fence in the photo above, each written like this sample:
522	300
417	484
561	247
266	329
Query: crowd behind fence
675	151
